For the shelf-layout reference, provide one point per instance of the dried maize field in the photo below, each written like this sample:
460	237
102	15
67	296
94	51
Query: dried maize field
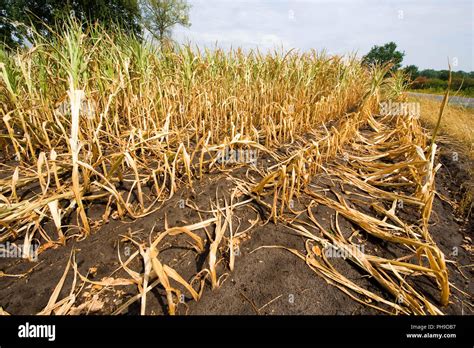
137	180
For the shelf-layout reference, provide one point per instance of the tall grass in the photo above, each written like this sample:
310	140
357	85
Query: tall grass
112	109
102	116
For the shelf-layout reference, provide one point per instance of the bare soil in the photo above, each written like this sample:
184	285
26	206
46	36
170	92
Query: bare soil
264	281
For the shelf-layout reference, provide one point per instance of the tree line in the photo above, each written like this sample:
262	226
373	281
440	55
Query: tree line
437	80
155	18
428	79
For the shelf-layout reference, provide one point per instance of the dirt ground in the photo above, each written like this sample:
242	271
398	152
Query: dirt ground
264	280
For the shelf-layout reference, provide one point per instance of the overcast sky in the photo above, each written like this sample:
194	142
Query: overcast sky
429	31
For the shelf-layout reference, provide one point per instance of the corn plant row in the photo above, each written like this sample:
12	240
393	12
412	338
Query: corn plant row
90	115
391	166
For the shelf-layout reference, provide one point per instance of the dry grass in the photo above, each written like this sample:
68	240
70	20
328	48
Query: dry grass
457	122
457	128
88	112
379	163
91	117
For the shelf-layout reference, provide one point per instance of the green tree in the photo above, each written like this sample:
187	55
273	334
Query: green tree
444	75
412	71
160	16
42	14
430	73
384	54
6	27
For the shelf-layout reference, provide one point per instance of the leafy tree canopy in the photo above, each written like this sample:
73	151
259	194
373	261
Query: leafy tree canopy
160	16
384	54
412	71
43	13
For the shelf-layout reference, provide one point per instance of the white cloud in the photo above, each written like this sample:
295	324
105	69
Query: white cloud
429	30
235	38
